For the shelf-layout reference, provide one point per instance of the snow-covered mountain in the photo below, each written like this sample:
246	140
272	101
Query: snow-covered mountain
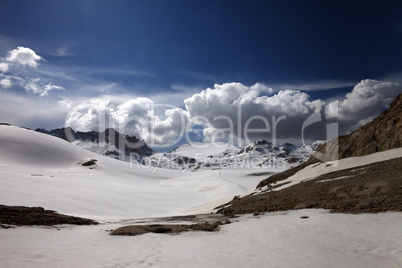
259	154
195	156
42	170
109	143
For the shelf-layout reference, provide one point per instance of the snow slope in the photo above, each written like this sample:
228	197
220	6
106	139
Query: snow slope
40	170
279	239
314	170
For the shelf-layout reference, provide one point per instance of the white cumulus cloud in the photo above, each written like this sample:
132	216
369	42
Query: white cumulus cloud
366	101
3	67
136	116
6	83
227	110
23	56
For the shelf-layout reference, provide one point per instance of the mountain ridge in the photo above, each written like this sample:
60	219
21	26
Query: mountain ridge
258	154
383	133
375	186
370	138
108	142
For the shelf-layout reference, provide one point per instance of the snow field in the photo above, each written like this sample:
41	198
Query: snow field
41	170
280	239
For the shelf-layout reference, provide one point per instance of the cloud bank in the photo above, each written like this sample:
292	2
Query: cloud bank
138	116
233	107
231	112
236	113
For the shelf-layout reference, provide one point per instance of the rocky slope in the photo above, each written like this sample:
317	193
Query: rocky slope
382	133
19	215
371	188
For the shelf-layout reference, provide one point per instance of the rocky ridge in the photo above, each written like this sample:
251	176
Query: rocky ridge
372	188
258	154
108	142
382	133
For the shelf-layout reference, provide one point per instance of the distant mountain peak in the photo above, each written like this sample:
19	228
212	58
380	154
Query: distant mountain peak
108	142
262	142
258	154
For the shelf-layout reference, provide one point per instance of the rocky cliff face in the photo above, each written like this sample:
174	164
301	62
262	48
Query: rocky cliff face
374	187
381	134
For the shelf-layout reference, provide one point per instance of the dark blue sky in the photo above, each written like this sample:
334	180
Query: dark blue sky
206	42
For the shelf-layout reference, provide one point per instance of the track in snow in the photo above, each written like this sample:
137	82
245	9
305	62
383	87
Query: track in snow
241	186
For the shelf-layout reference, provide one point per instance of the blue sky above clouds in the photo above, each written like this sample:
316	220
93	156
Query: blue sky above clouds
204	57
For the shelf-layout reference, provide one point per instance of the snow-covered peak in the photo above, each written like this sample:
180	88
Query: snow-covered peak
258	154
262	143
109	142
288	147
314	146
